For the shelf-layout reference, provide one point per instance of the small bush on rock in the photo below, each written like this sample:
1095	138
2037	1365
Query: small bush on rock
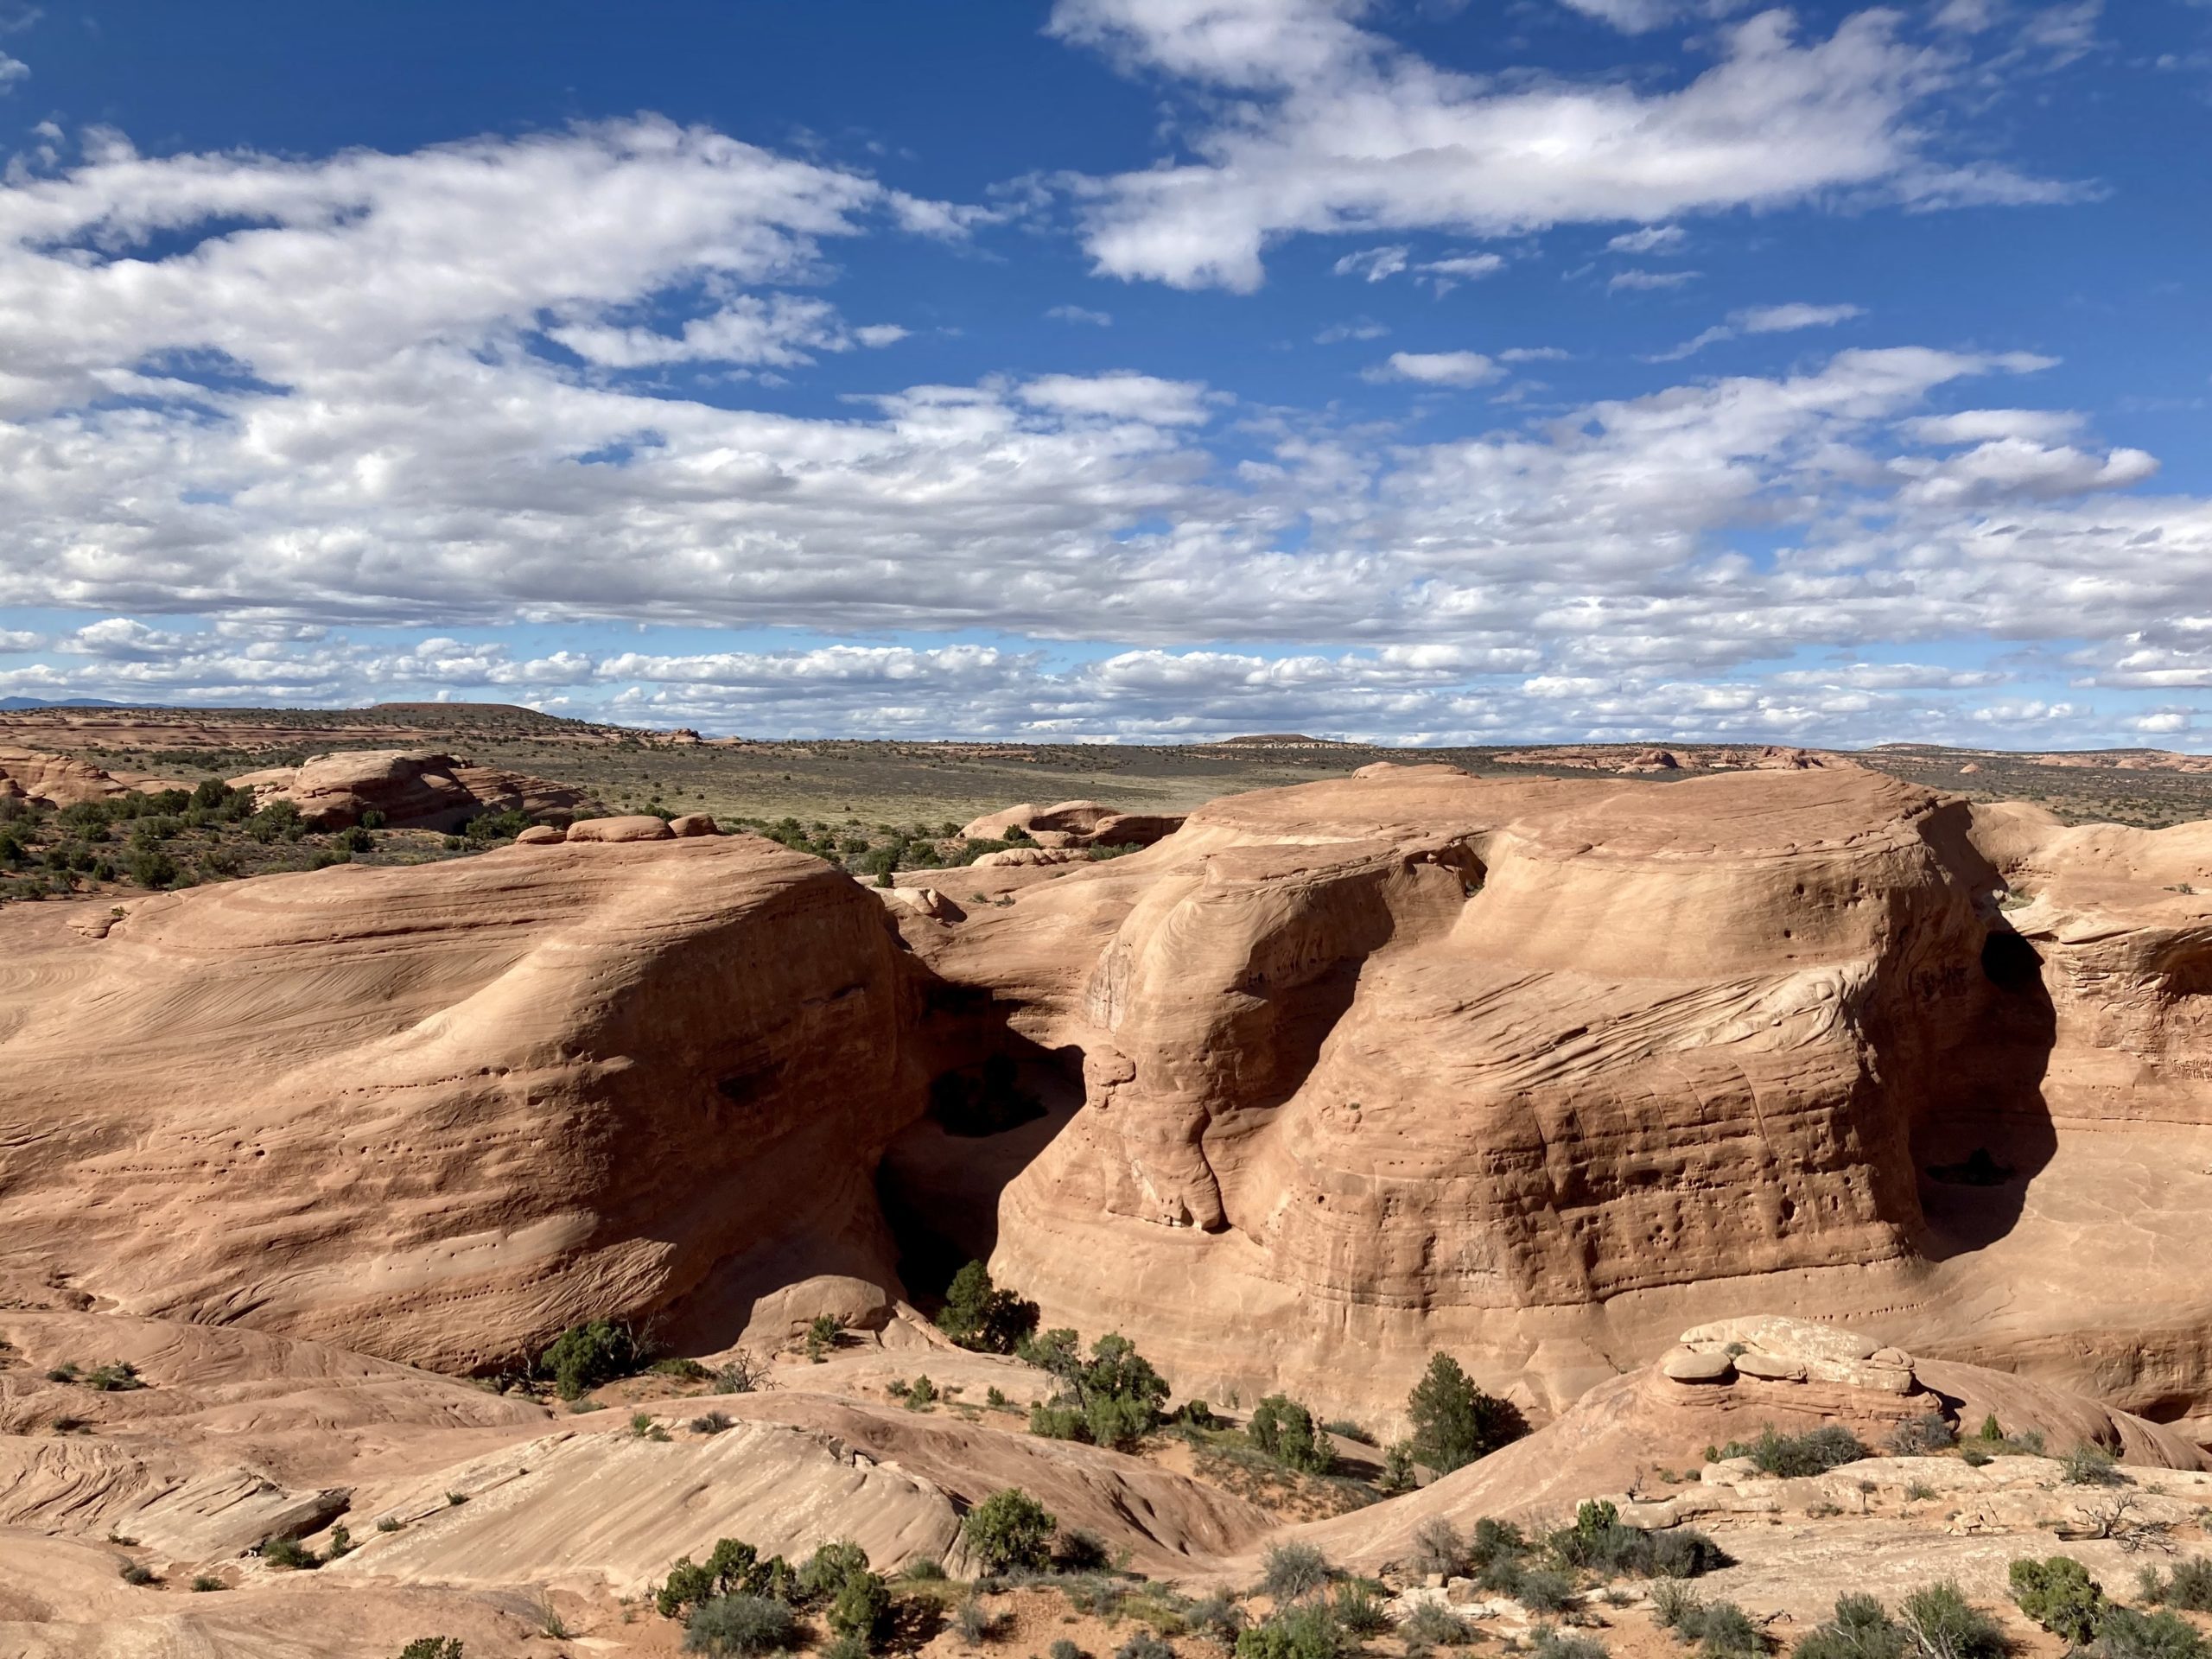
2189	1588
1432	1624
585	1356
1307	1631
978	1315
1920	1437
1547	1641
1439	1549
1010	1529
1144	1644
2060	1595
736	1627
1944	1624
1862	1629
2127	1634
1291	1571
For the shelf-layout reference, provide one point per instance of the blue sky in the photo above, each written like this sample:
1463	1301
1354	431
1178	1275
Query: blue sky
1120	369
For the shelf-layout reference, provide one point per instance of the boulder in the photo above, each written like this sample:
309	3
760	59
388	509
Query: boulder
1684	1365
1790	1338
637	826
56	779
694	824
541	835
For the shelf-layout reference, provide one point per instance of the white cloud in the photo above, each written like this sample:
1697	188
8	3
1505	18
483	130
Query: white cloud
1650	279
1120	396
2019	469
1373	263
1079	313
1762	320
1437	368
15	639
1533	355
1981	425
1785	318
1639	17
1340	131
1652	239
1364	328
1468	266
12	69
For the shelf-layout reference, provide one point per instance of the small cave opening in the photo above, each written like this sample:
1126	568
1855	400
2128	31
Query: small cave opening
2010	963
989	1118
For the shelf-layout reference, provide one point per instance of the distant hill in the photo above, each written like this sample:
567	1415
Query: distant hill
1283	740
15	704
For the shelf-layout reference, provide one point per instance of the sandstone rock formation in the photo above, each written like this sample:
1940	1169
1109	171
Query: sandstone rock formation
59	780
1543	1073
1075	824
440	1112
413	789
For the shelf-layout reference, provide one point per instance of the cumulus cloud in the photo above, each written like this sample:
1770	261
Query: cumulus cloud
1436	368
1375	265
1121	396
329	403
12	70
1335	129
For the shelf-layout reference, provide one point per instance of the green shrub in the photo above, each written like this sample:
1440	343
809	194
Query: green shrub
117	1376
1345	1428
1454	1422
824	1334
1944	1624
1291	1571
1547	1641
1726	1630
1398	1468
134	1573
1063	1649
2189	1588
978	1315
1439	1549
1432	1624
2090	1464
1286	1431
1599	1542
1144	1644
1116	1394
973	1621
734	1568
2060	1595
713	1422
1306	1631
1359	1610
843	1647
1542	1591
585	1356
1078	1551
432	1646
1216	1617
1862	1629
2127	1634
1009	1529
923	1569
207	1581
1795	1456
739	1626
1919	1437
291	1554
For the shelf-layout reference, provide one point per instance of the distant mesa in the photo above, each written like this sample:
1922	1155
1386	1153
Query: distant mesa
1283	740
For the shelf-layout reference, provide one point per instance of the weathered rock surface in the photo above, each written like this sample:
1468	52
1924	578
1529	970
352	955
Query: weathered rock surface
56	779
413	789
1543	1072
1075	824
637	826
440	1112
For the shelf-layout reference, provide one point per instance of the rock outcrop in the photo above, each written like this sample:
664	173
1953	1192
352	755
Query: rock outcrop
1543	1072
411	789
55	779
440	1112
1075	824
